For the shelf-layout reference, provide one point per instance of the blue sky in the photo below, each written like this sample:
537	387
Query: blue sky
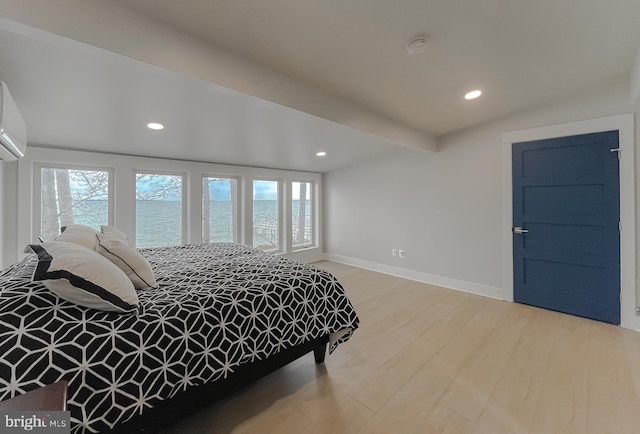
265	190
262	190
219	188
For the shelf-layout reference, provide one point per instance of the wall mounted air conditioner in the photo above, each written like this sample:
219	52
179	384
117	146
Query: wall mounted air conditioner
13	131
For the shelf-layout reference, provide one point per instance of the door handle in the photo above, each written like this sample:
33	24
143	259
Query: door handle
519	230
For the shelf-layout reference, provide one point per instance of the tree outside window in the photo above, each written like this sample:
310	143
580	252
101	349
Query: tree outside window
301	213
266	215
219	210
70	196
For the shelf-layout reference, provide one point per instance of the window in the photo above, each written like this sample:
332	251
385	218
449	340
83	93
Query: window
219	210
70	196
301	212
158	210
152	201
266	216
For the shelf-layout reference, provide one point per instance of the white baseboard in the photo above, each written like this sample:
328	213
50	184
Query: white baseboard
432	279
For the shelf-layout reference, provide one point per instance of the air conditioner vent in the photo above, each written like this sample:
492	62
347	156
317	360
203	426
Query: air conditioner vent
13	131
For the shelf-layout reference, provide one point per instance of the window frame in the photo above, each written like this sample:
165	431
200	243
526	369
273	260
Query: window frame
312	214
122	195
36	216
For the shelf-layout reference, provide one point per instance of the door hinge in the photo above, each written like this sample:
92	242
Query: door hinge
619	226
637	310
616	150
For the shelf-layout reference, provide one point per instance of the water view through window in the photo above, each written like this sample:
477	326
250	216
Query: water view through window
83	196
219	210
158	210
266	218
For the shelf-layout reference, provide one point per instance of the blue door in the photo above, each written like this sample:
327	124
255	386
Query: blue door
566	212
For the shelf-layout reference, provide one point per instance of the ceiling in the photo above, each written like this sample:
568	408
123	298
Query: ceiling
519	52
79	97
285	79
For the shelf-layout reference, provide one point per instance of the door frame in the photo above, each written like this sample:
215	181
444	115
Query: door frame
624	124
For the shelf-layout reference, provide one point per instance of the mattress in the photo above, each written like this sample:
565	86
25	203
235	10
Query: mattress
217	306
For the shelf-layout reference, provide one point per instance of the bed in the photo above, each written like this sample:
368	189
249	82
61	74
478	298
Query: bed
221	316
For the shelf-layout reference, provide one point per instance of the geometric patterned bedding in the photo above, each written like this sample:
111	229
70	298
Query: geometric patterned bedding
217	306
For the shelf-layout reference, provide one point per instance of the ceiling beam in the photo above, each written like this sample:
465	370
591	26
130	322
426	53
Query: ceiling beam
116	28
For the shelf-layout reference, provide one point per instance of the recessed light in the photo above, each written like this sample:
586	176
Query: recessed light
155	126
473	94
321	154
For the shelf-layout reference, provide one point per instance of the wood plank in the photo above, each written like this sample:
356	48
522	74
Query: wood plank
411	405
312	400
279	419
513	401
346	416
385	382
470	390
445	421
609	369
631	341
562	404
397	310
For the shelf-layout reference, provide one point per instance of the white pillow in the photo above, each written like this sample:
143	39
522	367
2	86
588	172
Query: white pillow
81	227
79	234
83	276
110	230
128	259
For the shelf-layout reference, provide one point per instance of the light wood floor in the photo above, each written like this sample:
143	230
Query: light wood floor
432	360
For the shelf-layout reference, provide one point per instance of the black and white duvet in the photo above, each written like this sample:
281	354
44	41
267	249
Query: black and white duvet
217	306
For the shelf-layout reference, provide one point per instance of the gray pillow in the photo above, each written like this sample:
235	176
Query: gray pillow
115	232
128	259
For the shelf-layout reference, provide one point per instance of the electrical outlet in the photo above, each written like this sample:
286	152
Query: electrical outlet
400	253
394	252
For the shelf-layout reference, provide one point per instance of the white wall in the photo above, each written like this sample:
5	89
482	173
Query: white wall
444	209
8	211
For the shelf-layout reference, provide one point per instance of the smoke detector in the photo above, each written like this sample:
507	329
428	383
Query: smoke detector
416	45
